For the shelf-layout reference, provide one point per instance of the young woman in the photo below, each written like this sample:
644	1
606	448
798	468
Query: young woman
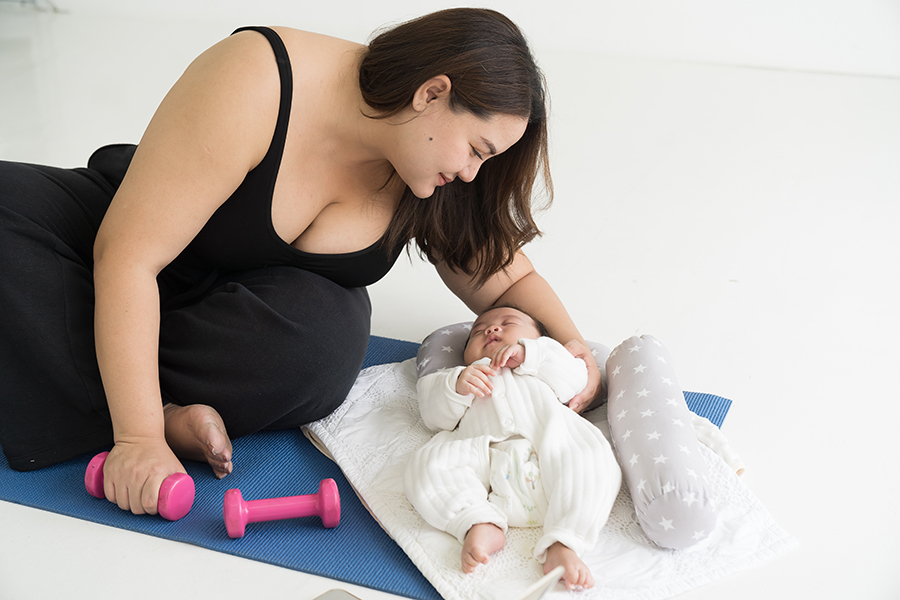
213	284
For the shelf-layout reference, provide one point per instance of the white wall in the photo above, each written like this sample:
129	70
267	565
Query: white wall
842	36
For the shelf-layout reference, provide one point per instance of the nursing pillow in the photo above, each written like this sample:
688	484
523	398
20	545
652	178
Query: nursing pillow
652	433
444	348
650	426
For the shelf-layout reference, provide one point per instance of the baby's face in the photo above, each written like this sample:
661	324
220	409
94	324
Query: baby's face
497	328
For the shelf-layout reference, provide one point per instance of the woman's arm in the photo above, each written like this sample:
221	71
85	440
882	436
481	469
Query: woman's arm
520	285
210	130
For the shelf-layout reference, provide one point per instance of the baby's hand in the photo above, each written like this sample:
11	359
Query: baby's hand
475	379
510	356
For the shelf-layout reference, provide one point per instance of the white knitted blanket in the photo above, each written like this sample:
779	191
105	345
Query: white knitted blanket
374	431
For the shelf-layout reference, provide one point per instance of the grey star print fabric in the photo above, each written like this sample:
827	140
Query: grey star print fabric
651	430
657	447
443	349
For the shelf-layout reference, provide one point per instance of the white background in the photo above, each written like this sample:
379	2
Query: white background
727	178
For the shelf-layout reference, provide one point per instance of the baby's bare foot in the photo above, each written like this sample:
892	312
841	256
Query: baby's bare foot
481	541
197	432
577	573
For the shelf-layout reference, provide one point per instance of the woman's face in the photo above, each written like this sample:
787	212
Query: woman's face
441	145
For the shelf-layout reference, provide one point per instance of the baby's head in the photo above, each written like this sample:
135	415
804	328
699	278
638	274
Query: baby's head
498	327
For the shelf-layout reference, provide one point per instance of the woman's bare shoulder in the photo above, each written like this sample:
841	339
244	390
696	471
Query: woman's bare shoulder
317	59
311	40
308	49
305	48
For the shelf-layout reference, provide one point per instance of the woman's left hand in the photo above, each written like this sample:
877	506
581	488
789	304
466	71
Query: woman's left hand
586	397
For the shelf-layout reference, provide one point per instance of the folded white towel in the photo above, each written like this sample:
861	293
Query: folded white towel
373	433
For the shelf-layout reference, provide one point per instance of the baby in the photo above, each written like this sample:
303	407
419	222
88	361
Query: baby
468	479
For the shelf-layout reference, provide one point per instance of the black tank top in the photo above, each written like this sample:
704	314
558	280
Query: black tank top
240	234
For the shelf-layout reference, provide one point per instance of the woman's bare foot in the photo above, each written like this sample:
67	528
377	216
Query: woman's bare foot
197	432
481	541
577	573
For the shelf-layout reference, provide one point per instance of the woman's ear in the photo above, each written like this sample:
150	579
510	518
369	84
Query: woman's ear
436	88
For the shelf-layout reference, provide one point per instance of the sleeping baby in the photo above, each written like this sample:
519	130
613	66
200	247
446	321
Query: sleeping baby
508	452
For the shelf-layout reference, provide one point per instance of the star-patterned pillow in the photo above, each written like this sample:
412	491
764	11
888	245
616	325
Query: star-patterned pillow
444	348
657	446
650	426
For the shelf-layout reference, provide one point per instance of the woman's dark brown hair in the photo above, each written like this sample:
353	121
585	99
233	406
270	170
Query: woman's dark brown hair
475	228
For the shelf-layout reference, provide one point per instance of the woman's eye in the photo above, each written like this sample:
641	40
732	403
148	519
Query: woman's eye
477	153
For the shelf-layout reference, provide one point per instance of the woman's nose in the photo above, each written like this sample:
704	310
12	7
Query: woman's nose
468	174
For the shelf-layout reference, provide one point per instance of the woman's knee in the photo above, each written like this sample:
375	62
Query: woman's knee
63	204
291	343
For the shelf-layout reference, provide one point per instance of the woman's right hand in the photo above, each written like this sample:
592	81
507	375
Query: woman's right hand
134	472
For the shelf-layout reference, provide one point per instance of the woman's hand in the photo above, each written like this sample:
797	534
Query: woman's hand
134	472
586	397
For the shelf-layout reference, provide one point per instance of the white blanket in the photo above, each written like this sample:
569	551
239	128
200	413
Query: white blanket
372	434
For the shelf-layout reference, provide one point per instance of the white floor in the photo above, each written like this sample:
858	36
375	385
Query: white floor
748	218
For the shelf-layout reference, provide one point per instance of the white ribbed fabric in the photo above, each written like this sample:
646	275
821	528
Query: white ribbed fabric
448	480
375	432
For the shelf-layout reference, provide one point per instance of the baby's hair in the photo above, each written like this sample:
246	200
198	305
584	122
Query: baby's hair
542	329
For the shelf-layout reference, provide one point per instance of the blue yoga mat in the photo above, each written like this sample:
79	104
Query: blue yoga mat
269	465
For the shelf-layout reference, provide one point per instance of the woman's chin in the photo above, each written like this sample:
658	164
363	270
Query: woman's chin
423	193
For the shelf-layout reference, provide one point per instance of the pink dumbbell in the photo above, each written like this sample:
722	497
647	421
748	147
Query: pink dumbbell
238	512
176	494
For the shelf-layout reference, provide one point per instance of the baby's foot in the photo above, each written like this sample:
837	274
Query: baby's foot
197	432
481	541
577	573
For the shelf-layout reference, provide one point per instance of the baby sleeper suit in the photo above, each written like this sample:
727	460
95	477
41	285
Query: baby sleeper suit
449	479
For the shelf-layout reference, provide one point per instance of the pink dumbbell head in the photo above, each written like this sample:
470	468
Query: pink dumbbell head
176	494
238	512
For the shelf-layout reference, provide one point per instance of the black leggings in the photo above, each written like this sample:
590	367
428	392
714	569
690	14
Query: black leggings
268	348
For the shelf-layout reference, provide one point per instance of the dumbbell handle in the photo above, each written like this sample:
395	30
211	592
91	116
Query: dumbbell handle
238	512
289	507
176	494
